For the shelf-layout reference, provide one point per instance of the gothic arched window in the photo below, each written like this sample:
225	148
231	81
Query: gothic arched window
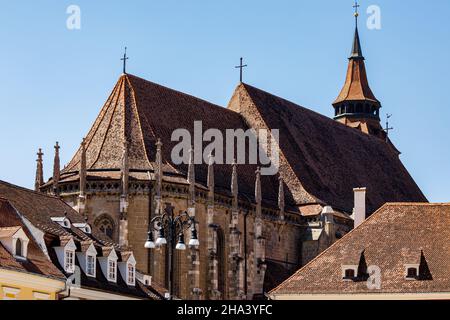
106	225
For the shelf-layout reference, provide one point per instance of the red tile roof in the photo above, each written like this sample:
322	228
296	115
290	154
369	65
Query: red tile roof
396	235
37	263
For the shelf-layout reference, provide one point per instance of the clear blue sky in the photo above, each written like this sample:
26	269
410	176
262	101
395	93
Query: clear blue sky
54	81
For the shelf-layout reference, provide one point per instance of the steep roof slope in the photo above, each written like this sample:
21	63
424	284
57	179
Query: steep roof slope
141	111
324	159
39	208
394	236
37	263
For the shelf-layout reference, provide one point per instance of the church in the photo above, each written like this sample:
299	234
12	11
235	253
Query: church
253	230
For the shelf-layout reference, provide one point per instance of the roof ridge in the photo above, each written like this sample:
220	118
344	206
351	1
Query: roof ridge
110	120
181	93
27	190
138	118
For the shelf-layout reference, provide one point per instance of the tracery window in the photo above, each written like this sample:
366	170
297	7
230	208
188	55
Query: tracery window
106	225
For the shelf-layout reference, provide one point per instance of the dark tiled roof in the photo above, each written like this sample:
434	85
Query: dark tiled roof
394	236
37	263
323	159
151	112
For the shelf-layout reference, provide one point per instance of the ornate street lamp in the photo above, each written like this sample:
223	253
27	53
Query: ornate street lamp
174	227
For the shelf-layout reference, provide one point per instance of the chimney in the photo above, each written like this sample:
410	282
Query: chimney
359	211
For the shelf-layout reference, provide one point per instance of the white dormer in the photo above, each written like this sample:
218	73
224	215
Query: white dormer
62	221
66	256
88	261
15	241
108	265
128	270
85	227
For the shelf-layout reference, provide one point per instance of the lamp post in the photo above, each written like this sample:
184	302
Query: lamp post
170	230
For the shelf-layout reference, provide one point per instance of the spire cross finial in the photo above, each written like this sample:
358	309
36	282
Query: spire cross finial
241	66
387	129
124	59
356	6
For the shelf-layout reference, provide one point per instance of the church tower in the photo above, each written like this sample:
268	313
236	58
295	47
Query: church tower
356	105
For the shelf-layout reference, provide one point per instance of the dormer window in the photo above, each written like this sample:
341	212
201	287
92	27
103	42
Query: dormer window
85	227
63	222
411	271
127	268
69	261
88	258
66	254
112	270
349	273
15	240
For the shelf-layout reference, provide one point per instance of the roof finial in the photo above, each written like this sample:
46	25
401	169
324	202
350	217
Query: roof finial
39	181
356	6
388	128
56	169
124	59
241	66
356	49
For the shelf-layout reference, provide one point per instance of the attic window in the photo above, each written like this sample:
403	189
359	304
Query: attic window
411	272
85	227
62	221
18	251
90	265
349	273
69	261
112	270
130	274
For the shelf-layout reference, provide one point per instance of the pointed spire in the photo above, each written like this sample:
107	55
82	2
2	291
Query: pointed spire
258	193
56	169
158	169
83	168
125	169
211	183
39	181
356	48
191	176
234	186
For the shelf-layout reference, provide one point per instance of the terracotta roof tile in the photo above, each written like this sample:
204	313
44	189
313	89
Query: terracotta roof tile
394	236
